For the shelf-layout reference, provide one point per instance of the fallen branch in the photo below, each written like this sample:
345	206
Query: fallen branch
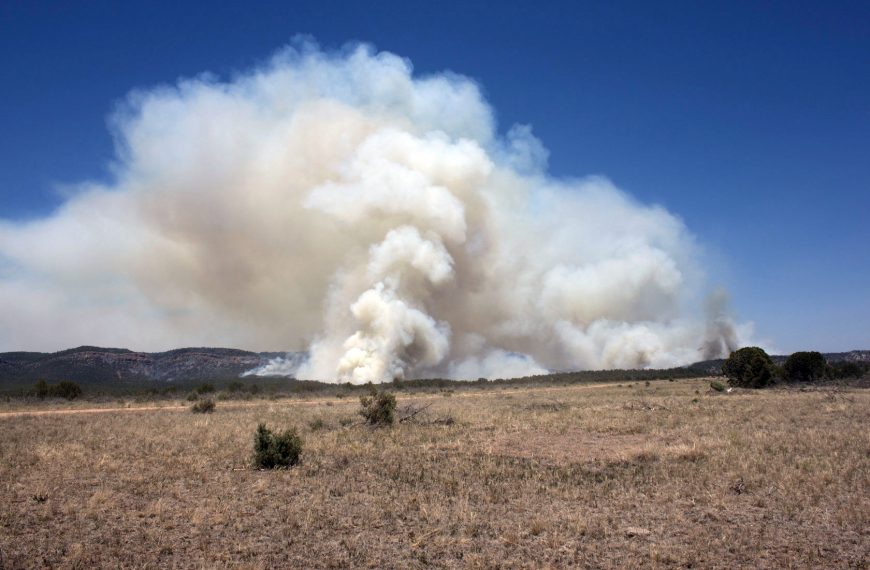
411	411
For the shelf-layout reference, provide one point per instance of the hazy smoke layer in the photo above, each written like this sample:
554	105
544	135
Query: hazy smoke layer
335	202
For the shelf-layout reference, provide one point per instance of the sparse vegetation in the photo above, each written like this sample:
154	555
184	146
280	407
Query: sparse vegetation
749	367
545	476
272	450
206	406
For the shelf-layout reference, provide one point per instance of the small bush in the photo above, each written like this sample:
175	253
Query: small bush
316	424
203	407
205	388
235	386
378	408
718	386
272	450
193	396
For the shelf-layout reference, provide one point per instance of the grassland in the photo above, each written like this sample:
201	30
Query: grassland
601	476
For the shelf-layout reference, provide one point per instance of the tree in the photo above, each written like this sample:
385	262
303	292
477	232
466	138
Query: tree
749	367
65	389
40	389
804	367
847	370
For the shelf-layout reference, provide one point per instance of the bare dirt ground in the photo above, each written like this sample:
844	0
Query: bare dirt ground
612	476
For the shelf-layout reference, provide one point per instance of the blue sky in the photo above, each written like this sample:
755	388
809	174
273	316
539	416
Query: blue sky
749	120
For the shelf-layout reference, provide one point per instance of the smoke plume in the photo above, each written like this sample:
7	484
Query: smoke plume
335	202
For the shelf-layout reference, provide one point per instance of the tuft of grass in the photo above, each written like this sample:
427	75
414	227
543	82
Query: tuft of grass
203	407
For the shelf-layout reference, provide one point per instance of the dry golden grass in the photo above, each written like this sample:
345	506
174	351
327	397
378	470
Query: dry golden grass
618	476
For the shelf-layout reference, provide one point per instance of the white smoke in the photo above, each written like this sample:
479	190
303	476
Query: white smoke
335	202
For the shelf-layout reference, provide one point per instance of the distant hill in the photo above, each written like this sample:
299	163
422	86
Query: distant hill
715	366
95	366
91	365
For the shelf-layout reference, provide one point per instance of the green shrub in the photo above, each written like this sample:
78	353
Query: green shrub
40	389
842	370
378	408
203	407
193	396
205	388
235	386
65	389
749	367
273	450
718	386
804	367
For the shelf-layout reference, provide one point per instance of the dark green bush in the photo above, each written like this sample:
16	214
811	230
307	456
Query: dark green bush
749	367
842	370
193	396
378	408
40	389
718	386
205	388
804	367
235	386
273	450
65	389
203	407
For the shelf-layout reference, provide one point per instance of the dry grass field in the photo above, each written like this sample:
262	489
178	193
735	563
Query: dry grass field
616	476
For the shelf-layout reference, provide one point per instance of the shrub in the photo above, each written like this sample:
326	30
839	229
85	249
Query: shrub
193	396
804	367
235	386
316	424
40	389
749	367
843	370
205	388
65	389
273	450
203	407
718	386
378	408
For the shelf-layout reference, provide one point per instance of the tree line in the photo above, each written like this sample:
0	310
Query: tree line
752	367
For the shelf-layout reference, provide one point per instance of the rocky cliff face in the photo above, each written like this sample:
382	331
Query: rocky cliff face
91	365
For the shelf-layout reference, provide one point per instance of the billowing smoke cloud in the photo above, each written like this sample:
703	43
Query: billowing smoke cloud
336	203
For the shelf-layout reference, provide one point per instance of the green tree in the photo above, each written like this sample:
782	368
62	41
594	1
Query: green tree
40	389
749	367
847	370
804	367
65	389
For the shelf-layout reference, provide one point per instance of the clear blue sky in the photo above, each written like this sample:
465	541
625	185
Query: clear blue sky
750	120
